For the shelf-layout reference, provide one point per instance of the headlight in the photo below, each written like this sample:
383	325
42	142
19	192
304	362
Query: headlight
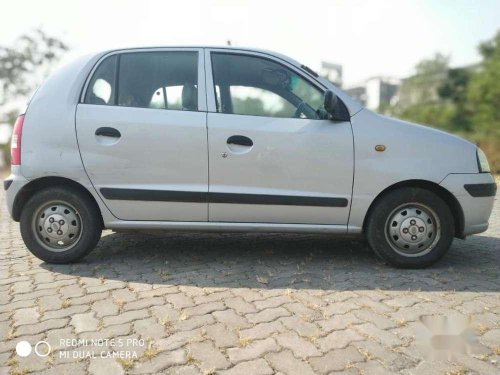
482	162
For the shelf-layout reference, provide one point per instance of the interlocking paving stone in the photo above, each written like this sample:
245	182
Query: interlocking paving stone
208	356
239	305
149	328
194	322
255	367
336	360
125	317
64	312
267	315
301	348
262	330
84	322
105	366
25	316
231	319
221	335
339	339
300	326
246	304
339	322
179	339
161	362
254	349
285	362
184	370
104	308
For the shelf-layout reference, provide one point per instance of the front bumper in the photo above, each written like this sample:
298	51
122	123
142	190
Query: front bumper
476	194
12	185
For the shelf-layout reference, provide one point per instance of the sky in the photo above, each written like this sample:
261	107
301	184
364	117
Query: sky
368	38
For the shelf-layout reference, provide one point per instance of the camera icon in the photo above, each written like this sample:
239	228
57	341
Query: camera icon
24	348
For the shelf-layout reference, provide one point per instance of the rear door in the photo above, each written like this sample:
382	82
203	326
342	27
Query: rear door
274	157
141	129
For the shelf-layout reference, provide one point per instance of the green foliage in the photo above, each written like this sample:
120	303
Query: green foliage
484	89
419	95
439	115
422	87
454	90
460	100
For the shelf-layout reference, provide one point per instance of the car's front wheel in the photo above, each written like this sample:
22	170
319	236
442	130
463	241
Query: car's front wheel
410	227
60	225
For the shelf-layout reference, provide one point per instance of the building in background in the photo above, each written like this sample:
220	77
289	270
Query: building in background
375	93
332	72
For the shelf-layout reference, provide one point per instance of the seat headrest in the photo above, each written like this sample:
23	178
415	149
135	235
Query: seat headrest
94	99
189	97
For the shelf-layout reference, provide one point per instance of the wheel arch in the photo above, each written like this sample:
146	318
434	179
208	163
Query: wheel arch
38	184
444	194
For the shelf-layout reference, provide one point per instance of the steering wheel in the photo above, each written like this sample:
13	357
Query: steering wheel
300	110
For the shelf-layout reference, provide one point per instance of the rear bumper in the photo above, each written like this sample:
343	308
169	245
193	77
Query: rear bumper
12	185
476	193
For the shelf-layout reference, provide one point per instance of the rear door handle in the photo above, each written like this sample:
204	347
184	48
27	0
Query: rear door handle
108	132
240	140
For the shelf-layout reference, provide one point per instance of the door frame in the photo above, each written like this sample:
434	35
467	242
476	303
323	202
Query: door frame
202	109
202	91
209	85
333	201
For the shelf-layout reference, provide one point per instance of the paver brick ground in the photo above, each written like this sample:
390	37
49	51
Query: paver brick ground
191	303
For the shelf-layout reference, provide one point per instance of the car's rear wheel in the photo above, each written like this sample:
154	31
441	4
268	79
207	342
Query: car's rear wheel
410	227
60	225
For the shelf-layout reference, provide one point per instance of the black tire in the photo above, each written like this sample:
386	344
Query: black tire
378	231
89	220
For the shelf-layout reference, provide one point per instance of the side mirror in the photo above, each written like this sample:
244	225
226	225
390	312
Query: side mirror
335	107
331	101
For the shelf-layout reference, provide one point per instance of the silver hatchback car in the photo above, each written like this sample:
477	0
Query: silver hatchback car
230	139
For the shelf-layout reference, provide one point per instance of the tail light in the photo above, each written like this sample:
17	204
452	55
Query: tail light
15	146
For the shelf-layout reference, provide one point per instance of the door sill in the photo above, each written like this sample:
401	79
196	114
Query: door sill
226	227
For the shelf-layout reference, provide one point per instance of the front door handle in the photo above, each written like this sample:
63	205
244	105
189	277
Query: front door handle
108	132
240	140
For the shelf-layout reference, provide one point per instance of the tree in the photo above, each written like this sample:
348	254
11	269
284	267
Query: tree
454	89
22	68
484	89
483	100
23	65
419	99
422	87
464	100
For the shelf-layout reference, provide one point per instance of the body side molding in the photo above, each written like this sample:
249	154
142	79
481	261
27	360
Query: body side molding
214	197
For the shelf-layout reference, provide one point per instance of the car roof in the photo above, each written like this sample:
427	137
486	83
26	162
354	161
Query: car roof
352	105
229	48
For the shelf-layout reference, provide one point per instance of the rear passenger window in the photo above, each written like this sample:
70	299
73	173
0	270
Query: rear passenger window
162	80
169	97
101	89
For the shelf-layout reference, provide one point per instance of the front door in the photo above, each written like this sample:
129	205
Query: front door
274	157
142	134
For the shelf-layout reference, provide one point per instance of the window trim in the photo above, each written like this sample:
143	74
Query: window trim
117	79
202	100
209	76
90	75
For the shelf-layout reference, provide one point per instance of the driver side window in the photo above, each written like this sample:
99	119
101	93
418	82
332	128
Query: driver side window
259	102
249	85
